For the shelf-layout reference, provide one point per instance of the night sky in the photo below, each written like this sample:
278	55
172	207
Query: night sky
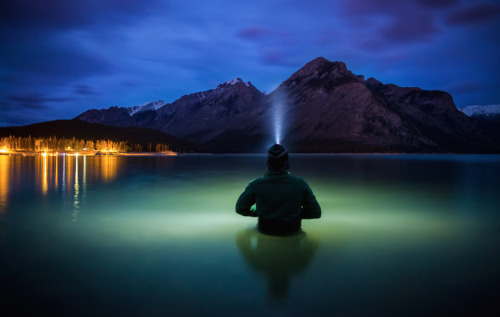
59	58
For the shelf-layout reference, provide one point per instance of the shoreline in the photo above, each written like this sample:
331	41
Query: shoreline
84	153
173	154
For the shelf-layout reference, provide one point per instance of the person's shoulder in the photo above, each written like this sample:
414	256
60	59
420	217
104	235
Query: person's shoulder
256	181
300	181
297	179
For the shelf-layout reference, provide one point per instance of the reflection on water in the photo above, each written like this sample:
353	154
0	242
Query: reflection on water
4	182
44	174
278	258
76	201
44	179
108	168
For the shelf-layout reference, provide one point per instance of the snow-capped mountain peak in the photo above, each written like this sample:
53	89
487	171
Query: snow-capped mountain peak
477	110
235	81
148	106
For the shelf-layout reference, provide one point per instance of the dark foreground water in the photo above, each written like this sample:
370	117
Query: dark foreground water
158	236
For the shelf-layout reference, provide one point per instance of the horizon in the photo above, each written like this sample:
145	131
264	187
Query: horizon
62	59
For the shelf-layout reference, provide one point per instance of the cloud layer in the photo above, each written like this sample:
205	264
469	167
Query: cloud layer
59	58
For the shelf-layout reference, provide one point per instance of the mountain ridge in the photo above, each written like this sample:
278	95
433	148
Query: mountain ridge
480	110
487	117
328	109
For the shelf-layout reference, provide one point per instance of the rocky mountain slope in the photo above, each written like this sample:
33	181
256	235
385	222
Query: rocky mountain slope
326	107
198	117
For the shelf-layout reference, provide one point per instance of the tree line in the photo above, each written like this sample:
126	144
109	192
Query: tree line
62	144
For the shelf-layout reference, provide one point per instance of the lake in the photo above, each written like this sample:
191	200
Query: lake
400	235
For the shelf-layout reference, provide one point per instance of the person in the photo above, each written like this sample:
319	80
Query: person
278	199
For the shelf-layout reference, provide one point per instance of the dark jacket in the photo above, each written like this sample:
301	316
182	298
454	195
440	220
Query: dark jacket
281	202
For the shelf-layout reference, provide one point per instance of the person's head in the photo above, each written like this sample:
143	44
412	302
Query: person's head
277	158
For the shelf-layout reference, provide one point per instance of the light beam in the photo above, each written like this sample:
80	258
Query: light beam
278	117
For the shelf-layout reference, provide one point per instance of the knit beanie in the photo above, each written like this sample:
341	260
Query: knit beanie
277	158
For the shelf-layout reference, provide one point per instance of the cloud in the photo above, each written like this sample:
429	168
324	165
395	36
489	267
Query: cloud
12	118
265	34
84	90
51	59
474	14
57	14
410	29
356	8
60	38
253	32
406	22
438	4
34	100
278	57
385	22
22	109
130	83
274	47
32	107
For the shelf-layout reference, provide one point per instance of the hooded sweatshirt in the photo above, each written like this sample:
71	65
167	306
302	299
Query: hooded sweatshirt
280	201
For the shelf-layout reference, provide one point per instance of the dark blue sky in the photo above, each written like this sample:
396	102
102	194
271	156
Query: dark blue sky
59	58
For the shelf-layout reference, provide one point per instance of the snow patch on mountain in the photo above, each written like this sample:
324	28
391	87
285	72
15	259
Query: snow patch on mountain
477	110
235	81
229	84
148	106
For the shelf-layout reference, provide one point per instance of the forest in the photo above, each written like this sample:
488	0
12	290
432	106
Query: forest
61	144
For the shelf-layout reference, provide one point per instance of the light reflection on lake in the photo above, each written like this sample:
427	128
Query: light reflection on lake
4	182
400	235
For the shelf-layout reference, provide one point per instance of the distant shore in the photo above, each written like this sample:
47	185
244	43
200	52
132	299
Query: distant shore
88	153
163	154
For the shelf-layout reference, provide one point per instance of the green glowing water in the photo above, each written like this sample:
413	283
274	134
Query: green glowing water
400	236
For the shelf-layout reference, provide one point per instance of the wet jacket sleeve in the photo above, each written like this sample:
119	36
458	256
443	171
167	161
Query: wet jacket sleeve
310	206
245	205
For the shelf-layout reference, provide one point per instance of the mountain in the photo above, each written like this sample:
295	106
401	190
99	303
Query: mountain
481	111
116	114
93	131
198	117
340	111
486	117
326	108
149	106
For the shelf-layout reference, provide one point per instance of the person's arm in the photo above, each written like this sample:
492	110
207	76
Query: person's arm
245	205
310	206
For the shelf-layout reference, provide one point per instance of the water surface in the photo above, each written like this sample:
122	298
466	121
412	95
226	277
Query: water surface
400	235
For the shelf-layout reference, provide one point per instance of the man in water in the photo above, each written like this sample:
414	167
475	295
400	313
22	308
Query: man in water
278	199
